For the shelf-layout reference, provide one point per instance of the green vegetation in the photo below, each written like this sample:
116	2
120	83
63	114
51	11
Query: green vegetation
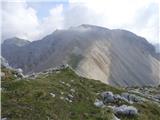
31	99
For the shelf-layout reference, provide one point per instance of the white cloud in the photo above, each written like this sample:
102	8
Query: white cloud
77	14
18	19
138	16
53	21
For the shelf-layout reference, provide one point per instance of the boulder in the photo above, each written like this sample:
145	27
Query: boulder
70	96
125	110
4	62
67	99
73	90
118	98
98	103
157	97
61	97
115	118
19	70
3	118
130	97
108	97
53	95
62	82
68	85
19	73
63	66
2	74
126	95
32	76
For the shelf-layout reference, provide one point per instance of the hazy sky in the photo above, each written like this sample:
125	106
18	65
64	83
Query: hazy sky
33	19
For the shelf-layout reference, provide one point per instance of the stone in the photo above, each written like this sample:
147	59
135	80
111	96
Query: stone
61	97
157	97
19	70
115	118
126	95
2	74
57	72
73	90
98	103
4	119
70	96
72	80
68	85
131	97
107	97
33	75
125	110
53	95
116	96
67	99
62	82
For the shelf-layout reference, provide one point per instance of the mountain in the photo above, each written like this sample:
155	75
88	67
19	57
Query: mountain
16	42
60	94
157	47
116	57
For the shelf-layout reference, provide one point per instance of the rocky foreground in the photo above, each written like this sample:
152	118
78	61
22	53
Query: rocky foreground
60	94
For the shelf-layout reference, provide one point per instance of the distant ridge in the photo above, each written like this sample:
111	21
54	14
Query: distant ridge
116	57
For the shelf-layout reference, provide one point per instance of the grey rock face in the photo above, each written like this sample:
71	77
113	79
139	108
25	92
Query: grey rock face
115	57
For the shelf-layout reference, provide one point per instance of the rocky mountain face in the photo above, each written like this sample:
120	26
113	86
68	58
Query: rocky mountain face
157	47
116	57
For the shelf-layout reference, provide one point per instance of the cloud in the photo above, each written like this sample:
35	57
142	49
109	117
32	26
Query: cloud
53	21
18	19
140	17
77	14
146	24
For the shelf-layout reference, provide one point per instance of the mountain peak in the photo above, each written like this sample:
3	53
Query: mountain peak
91	26
86	25
16	41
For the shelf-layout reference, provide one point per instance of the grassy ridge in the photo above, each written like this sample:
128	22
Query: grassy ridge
31	99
